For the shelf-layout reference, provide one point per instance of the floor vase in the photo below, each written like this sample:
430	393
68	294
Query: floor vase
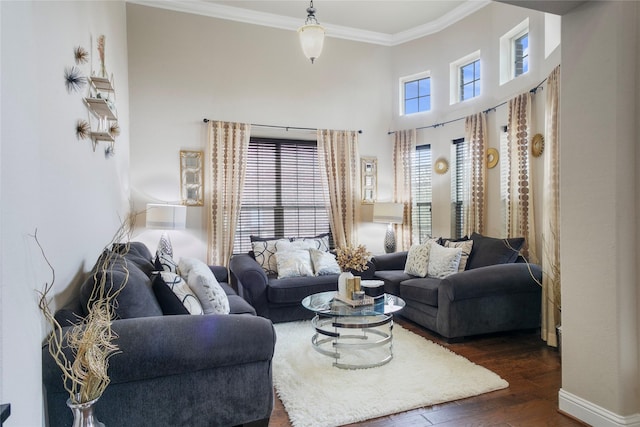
83	415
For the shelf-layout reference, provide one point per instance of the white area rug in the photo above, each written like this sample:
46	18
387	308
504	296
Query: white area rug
422	373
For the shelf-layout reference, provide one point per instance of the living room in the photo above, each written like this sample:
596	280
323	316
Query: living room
173	69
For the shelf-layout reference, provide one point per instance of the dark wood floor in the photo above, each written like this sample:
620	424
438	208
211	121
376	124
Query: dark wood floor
523	359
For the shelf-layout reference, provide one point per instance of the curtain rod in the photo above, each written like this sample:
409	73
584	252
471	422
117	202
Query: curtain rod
287	128
488	110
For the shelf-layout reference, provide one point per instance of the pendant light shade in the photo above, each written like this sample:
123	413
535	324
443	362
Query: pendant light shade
311	35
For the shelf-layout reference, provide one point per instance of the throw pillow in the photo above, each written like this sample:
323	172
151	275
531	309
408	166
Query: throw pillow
443	261
183	292
164	255
294	264
417	262
169	302
466	246
324	263
264	251
490	251
320	242
203	283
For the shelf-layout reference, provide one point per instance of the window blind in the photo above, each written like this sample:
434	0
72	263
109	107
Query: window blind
283	193
458	183
422	194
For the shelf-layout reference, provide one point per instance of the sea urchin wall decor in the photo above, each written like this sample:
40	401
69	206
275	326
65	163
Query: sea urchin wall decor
73	79
81	55
83	129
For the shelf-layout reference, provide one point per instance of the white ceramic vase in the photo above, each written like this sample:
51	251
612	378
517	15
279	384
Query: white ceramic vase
342	282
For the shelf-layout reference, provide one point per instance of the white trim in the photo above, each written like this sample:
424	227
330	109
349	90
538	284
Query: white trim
247	16
593	414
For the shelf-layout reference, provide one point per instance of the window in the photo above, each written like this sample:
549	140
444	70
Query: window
470	80
521	55
283	193
514	52
416	94
459	154
421	189
465	78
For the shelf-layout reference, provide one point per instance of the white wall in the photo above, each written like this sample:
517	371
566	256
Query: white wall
599	213
218	70
49	179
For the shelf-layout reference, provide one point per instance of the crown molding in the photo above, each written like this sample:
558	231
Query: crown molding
247	16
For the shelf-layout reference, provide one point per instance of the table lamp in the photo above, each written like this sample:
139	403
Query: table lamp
389	213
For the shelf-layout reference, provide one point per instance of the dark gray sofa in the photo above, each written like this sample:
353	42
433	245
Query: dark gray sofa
482	299
174	370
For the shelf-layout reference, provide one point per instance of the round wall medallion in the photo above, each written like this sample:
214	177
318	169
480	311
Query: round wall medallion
442	166
492	157
537	144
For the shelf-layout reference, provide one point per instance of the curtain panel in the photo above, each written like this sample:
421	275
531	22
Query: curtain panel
226	156
338	158
551	213
474	198
520	213
404	151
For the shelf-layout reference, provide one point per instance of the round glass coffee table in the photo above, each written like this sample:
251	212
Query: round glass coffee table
355	337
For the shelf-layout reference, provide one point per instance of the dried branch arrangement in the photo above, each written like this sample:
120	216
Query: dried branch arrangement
353	258
91	342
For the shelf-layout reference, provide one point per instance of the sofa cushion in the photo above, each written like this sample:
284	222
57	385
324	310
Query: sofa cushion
136	252
136	298
164	255
293	263
392	279
490	251
466	246
264	253
320	242
169	302
422	290
443	261
183	292
323	262
418	260
204	284
295	289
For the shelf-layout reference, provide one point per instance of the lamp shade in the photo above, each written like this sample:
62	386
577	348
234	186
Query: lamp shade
311	40
388	212
166	217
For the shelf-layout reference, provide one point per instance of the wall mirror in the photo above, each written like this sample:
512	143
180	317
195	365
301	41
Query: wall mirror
191	177
369	172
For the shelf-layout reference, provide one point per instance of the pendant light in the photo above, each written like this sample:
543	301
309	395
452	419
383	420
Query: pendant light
311	35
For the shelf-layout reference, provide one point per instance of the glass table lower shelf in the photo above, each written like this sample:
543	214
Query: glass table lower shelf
355	337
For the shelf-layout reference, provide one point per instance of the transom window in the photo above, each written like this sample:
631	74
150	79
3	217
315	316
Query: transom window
514	52
521	54
283	193
417	95
421	192
470	80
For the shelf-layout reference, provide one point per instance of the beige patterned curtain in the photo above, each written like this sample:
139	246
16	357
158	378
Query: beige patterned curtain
338	158
474	200
520	219
404	152
226	156
551	213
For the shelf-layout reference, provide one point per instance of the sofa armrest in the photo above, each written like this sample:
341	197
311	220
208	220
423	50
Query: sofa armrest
392	261
493	279
152	347
221	273
251	280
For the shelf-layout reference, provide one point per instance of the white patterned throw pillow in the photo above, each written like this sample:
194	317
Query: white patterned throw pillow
264	253
466	246
324	263
204	284
417	263
295	263
183	292
164	255
443	261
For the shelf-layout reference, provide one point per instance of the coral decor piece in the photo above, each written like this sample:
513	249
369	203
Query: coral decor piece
353	258
81	55
83	129
73	79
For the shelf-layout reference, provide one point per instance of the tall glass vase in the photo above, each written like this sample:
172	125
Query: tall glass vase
83	415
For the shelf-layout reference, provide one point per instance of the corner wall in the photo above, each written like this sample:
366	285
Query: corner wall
49	180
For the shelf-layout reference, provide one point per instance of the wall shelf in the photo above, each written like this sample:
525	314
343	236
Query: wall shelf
100	108
102	136
101	84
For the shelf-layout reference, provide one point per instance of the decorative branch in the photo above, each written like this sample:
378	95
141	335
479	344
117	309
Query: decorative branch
101	47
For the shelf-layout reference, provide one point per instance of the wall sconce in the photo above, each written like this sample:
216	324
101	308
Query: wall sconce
389	213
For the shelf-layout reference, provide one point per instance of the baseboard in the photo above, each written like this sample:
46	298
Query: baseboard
591	414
